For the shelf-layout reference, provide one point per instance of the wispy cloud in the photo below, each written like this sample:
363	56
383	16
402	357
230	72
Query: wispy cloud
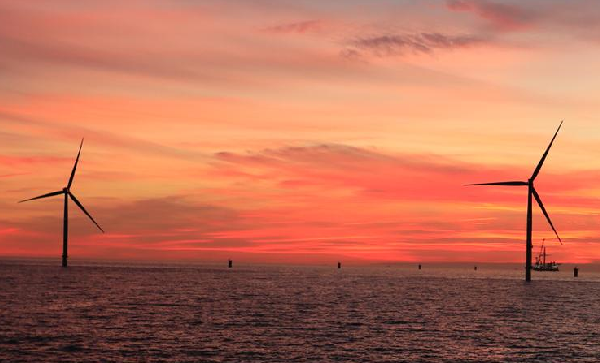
297	27
13	160
502	16
106	137
402	44
375	174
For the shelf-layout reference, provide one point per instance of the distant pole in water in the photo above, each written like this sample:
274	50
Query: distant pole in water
575	272
419	266
532	193
230	263
339	265
475	268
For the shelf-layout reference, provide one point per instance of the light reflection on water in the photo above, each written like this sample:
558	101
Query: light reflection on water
276	314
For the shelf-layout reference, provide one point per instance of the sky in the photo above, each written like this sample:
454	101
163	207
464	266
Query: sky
299	131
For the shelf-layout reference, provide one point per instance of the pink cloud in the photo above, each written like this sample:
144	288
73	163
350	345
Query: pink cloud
13	160
502	16
375	175
401	44
298	27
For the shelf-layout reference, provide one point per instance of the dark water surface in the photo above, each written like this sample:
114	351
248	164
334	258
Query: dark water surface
283	314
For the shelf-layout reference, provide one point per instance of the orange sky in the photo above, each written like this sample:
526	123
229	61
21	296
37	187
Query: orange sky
299	131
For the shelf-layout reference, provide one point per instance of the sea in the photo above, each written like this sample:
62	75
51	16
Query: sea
151	312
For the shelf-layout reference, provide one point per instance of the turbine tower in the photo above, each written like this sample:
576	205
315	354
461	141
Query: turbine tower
532	192
67	192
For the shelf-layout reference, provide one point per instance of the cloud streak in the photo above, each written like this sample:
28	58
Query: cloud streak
501	16
107	138
300	27
402	44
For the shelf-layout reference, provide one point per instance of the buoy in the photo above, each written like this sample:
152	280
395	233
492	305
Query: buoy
339	265
575	272
419	266
230	264
475	268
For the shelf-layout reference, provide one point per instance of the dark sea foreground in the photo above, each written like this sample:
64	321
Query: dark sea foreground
286	314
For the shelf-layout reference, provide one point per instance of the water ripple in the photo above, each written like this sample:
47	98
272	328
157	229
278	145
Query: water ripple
269	314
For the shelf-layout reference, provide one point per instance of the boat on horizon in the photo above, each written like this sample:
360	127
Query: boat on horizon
540	261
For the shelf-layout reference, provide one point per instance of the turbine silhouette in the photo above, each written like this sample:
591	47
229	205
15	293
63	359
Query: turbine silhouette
67	192
532	192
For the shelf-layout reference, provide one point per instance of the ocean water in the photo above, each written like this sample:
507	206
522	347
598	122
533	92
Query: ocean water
104	312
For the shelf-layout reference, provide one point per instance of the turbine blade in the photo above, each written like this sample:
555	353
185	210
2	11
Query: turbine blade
539	200
511	183
539	166
75	166
43	196
84	211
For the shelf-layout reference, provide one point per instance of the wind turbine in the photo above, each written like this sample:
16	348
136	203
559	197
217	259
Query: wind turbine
67	192
532	192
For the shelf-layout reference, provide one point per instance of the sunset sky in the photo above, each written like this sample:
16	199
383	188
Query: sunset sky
299	131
